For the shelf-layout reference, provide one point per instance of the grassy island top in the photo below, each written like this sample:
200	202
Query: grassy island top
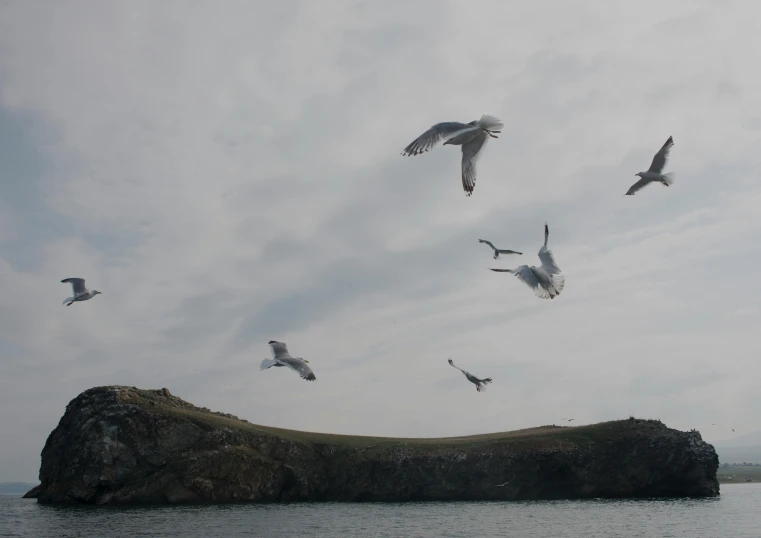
162	401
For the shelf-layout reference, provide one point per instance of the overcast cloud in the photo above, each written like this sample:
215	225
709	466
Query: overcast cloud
229	173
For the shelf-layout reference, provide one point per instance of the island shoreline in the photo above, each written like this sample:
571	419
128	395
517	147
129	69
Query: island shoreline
121	445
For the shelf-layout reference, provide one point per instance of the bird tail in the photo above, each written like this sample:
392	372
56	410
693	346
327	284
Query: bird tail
558	282
490	123
668	178
481	387
266	363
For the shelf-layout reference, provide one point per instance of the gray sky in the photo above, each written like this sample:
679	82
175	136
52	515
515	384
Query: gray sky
227	174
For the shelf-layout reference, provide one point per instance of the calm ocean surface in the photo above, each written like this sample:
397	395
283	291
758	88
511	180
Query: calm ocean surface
735	514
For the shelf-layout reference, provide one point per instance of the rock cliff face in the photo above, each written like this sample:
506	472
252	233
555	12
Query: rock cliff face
122	445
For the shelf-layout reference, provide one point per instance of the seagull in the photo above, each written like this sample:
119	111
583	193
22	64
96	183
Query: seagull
497	251
480	383
570	419
471	136
81	293
656	167
545	280
283	358
503	485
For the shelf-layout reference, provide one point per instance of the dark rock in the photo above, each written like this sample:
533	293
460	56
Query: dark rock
33	493
123	445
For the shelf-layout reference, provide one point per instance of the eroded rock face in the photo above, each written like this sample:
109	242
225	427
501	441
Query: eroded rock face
122	445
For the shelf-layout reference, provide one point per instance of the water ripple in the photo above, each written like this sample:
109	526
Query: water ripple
734	514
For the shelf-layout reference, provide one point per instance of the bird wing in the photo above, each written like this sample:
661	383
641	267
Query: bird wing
77	284
436	134
279	350
451	363
527	276
548	261
660	158
299	366
510	252
470	154
637	186
488	243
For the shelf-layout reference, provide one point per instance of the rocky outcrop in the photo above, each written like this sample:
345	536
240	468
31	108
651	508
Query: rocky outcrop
32	493
122	445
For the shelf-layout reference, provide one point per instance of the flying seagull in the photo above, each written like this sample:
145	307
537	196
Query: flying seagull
503	484
471	136
283	358
480	383
81	293
497	251
545	280
655	171
570	419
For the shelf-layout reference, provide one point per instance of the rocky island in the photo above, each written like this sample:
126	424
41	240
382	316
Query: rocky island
123	445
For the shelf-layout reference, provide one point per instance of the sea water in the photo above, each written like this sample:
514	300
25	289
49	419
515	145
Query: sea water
735	514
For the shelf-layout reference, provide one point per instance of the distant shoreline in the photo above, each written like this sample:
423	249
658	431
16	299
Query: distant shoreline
14	488
738	473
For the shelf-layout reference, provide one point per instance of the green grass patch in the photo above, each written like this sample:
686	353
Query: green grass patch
163	402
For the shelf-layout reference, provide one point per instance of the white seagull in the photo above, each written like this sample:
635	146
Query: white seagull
471	136
81	293
283	358
655	171
545	280
480	383
497	251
